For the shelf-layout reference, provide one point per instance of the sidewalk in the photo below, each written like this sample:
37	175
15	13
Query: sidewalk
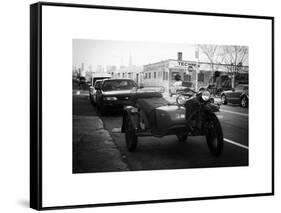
93	148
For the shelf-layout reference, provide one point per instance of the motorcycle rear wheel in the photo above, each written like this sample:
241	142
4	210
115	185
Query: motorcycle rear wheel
214	136
131	137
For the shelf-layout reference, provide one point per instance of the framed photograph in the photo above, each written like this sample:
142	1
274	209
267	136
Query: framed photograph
135	105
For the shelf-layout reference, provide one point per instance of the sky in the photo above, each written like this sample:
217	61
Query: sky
105	52
118	53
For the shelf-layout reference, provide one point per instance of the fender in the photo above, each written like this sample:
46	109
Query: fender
132	113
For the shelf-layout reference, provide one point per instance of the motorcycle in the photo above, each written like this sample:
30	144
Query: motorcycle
191	115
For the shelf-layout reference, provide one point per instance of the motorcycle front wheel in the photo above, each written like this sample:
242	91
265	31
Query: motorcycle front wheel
131	137
214	135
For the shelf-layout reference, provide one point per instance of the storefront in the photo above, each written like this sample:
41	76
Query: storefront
163	73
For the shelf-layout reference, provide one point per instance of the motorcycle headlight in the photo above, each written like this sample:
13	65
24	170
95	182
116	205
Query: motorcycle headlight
181	99
206	95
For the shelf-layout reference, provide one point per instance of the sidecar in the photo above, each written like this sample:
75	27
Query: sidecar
152	115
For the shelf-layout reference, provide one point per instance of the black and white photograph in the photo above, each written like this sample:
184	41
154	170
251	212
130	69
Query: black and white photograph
139	105
144	106
150	106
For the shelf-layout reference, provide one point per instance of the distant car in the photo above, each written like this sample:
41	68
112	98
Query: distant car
114	93
238	95
93	91
82	81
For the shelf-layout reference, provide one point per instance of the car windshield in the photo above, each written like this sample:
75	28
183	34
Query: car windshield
118	85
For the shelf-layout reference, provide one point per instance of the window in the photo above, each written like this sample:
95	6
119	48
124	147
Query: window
118	85
164	75
187	77
154	74
201	77
149	75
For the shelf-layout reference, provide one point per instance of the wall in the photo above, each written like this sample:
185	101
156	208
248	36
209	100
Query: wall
14	156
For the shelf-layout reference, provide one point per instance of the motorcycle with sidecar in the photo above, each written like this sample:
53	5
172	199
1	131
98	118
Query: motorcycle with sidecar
192	114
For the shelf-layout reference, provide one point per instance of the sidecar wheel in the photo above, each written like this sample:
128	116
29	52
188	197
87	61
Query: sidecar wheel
214	136
131	138
182	137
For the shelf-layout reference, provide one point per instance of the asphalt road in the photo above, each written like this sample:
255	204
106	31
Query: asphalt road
153	153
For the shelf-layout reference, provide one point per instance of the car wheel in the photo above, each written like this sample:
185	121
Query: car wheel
94	100
91	98
214	135
223	99
182	137
244	102
131	137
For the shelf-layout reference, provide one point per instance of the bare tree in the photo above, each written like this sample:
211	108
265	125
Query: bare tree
212	54
235	56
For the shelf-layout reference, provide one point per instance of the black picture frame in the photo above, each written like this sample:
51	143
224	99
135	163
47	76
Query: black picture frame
36	102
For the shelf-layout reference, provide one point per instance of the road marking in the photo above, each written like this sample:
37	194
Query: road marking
235	143
236	113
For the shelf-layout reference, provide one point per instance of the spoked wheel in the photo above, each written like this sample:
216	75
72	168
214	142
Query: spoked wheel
214	135
131	137
182	137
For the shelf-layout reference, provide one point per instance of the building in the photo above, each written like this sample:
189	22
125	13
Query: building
163	73
132	72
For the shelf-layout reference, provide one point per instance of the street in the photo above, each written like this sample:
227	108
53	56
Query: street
99	146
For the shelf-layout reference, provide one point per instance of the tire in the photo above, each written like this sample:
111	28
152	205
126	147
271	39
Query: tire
93	102
130	136
223	100
182	137
244	102
91	98
214	135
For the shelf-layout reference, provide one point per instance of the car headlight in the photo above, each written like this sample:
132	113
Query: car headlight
110	98
181	99
206	95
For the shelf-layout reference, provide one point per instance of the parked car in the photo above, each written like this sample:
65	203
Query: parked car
114	93
238	95
93	91
82	80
